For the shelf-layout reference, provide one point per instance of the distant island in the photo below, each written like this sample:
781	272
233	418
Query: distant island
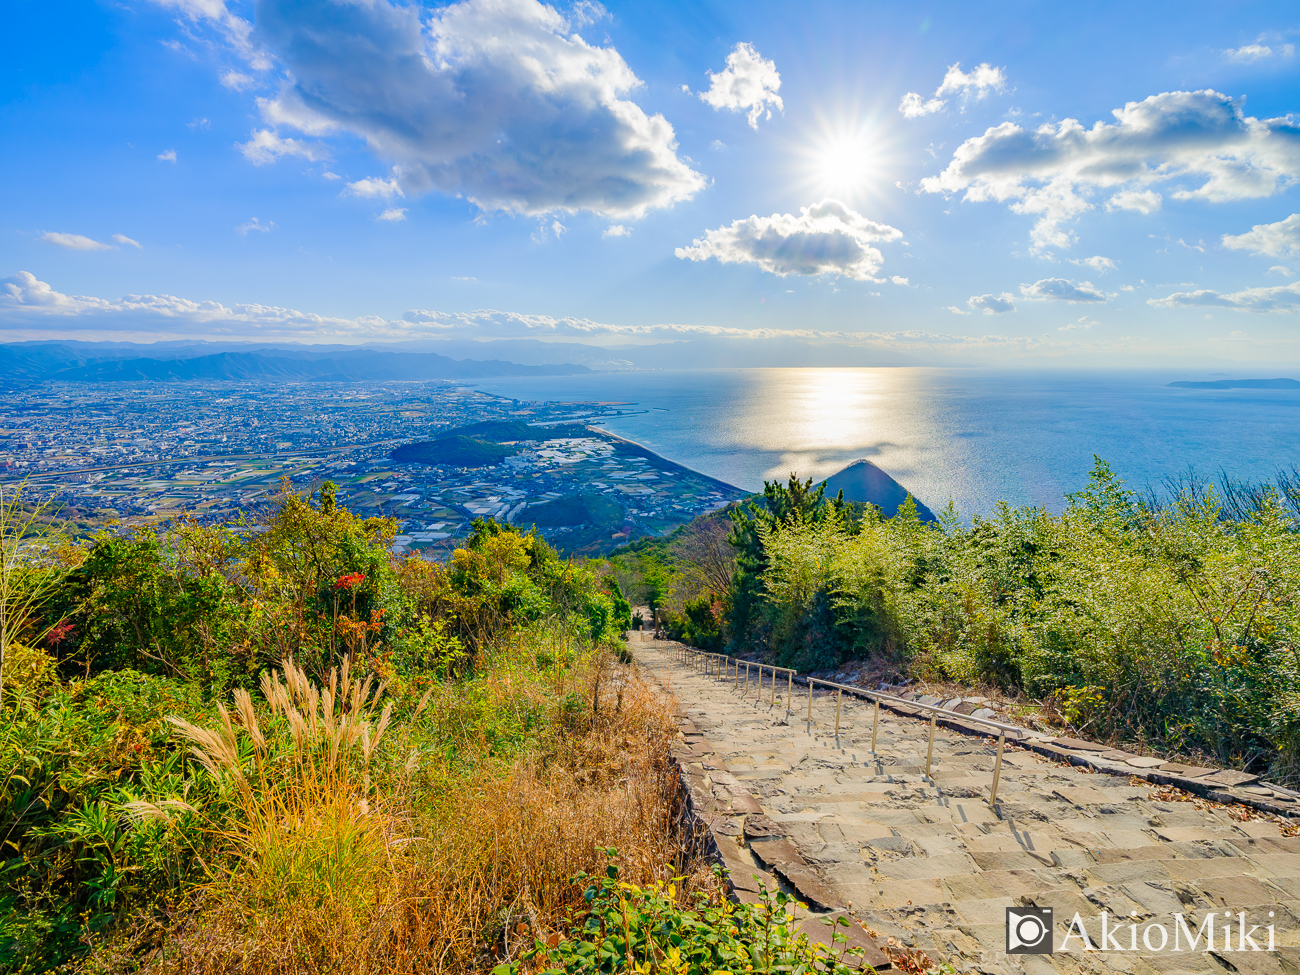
1239	384
864	482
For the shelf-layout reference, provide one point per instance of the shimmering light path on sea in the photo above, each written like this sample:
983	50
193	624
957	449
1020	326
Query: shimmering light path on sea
977	437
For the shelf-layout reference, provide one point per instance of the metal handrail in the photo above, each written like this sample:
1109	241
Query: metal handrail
710	663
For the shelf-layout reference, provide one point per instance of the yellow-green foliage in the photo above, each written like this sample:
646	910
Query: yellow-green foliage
1172	623
369	694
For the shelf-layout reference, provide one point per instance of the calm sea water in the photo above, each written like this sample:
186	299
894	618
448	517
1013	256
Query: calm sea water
974	437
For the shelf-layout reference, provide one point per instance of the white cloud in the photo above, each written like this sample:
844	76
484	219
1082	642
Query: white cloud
331	176
748	83
1253	52
1279	269
1274	239
1282	298
1200	141
1059	289
264	146
584	13
393	215
373	187
74	242
168	156
253	224
992	304
616	230
1098	263
498	101
1139	201
238	81
898	279
236	31
124	239
32	309
913	105
1085	323
827	238
981	80
958	311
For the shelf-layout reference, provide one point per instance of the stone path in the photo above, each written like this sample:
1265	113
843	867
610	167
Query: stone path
928	862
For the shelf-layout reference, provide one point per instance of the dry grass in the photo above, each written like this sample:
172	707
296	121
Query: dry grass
333	874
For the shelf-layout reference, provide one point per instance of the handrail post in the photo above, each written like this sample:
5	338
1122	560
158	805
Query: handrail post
772	704
810	684
997	771
929	755
746	690
789	693
875	725
839	697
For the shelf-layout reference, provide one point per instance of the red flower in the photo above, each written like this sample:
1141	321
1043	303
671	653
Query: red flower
350	581
59	633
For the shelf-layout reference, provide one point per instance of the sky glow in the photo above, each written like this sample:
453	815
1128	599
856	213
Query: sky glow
1019	184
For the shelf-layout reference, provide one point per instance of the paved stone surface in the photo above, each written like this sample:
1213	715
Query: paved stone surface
927	861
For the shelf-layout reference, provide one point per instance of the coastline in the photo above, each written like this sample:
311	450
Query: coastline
664	462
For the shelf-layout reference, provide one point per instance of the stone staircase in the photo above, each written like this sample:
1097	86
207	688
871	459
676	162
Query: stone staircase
927	862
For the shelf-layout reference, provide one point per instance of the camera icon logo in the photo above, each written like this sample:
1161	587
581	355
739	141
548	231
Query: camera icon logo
1029	930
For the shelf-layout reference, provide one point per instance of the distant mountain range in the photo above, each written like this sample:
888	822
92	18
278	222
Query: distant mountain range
1239	384
863	481
79	363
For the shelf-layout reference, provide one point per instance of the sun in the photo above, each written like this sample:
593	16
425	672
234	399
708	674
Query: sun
847	155
844	164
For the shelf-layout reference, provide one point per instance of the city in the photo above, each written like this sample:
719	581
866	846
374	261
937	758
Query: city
137	454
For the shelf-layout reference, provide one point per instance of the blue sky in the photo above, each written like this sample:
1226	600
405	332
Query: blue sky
1036	182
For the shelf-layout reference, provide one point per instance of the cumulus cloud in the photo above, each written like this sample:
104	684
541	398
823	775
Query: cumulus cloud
914	105
393	215
993	304
1139	201
749	83
827	238
981	80
1098	263
124	239
1282	298
74	242
264	146
1059	289
1253	52
501	102
373	187
616	230
168	155
1201	142
238	81
1274	239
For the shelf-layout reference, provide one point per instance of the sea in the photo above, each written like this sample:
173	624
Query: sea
972	437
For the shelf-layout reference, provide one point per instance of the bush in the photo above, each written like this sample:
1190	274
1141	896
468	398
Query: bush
647	930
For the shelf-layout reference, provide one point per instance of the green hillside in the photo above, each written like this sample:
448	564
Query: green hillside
456	450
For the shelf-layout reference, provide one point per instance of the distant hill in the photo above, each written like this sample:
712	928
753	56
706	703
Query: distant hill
863	481
501	431
583	509
1239	384
456	451
356	366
